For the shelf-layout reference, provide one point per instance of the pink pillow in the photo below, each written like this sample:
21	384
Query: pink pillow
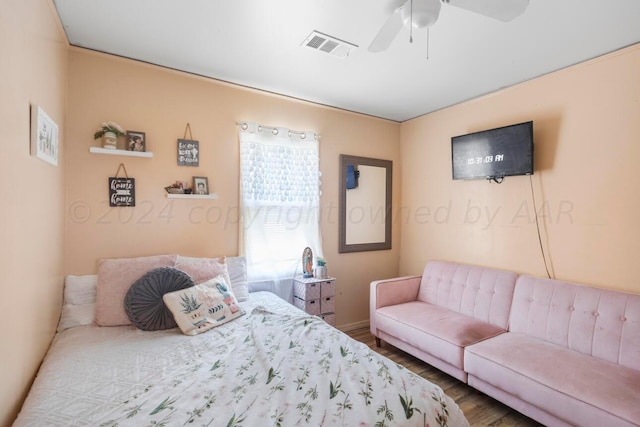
203	269
115	277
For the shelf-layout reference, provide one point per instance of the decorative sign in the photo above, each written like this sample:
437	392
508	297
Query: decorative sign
122	191
188	151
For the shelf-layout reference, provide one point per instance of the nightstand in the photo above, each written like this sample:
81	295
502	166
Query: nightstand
316	296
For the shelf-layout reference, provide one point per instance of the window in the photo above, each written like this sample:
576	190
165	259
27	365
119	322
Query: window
280	202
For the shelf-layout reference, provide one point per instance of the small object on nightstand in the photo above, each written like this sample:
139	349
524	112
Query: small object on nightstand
316	296
307	263
320	272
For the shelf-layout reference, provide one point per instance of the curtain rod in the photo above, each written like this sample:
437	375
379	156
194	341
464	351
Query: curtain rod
275	131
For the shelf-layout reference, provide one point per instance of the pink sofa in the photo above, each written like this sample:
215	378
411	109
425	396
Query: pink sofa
436	315
563	354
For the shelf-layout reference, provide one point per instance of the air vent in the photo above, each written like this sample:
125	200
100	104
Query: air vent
328	44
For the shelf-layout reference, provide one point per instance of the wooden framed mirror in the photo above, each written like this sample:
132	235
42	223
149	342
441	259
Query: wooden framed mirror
365	204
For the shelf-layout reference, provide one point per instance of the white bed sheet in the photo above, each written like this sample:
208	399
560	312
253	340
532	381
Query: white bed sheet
275	366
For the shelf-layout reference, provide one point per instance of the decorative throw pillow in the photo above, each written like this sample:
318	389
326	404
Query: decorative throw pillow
79	303
80	289
115	277
237	267
203	307
203	269
143	303
76	315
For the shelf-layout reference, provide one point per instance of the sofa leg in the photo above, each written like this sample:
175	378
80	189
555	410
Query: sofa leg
378	342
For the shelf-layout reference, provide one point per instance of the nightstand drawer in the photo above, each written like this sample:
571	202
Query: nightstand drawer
310	306
329	318
327	305
327	289
307	291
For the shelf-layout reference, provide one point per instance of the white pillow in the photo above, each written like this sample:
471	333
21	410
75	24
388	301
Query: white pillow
237	268
80	289
76	315
79	301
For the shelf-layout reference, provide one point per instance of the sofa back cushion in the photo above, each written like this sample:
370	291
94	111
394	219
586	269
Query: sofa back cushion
482	293
597	322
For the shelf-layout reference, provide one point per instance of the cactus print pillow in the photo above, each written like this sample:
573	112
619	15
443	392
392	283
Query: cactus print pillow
203	307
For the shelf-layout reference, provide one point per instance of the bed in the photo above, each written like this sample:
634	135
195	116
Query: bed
275	365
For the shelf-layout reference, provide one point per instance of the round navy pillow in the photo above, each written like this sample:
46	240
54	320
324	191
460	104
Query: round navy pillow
143	302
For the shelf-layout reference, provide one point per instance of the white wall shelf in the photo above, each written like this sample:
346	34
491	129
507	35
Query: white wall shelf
100	150
191	196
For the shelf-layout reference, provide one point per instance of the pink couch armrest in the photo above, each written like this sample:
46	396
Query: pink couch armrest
391	292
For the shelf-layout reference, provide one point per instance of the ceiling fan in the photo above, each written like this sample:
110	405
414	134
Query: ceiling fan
424	13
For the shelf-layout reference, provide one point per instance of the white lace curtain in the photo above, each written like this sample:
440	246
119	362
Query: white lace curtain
280	203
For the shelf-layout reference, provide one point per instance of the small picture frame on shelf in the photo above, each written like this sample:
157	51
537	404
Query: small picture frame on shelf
136	141
200	185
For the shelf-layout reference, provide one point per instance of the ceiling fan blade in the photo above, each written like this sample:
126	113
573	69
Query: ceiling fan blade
387	33
503	10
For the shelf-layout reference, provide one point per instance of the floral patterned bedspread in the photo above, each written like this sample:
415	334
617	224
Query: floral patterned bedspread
275	366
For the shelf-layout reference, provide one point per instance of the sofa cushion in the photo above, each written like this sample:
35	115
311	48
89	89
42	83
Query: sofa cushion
482	293
597	322
440	332
578	388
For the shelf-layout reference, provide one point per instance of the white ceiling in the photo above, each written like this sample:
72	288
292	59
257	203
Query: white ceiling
258	43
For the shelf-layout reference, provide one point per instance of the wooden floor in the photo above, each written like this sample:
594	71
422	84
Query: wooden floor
480	409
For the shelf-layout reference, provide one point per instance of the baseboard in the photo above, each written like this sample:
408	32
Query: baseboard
352	326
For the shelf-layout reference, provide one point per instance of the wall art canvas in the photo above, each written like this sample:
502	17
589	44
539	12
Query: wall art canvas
44	136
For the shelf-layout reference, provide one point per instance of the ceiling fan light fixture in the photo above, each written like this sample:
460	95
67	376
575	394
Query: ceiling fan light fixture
425	13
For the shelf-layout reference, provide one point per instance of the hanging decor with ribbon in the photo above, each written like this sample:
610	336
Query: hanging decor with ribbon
188	149
122	191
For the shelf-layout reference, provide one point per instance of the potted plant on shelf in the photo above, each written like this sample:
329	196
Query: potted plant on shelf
109	132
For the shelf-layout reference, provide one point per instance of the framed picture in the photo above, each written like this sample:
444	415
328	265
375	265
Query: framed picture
44	136
136	141
200	185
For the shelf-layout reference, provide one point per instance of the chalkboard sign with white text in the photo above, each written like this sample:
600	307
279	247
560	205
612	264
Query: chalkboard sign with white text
122	192
188	151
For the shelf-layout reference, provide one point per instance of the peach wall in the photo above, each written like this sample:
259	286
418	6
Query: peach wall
160	102
587	134
32	70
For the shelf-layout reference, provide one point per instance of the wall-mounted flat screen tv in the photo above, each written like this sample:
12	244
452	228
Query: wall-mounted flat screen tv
494	153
